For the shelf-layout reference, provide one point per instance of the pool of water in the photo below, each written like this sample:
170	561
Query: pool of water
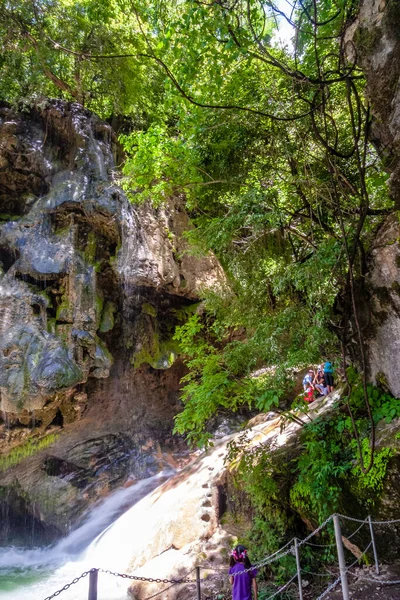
104	540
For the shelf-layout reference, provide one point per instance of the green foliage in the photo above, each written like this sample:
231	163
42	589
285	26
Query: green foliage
319	476
373	480
268	146
47	49
159	164
28	448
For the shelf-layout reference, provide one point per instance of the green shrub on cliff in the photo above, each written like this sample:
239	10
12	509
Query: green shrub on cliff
308	481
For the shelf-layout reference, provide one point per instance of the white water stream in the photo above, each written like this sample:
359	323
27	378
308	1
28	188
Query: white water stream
105	540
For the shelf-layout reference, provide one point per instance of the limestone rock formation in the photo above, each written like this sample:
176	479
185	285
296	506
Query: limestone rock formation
91	289
383	283
373	42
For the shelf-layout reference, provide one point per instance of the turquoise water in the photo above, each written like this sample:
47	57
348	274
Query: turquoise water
104	540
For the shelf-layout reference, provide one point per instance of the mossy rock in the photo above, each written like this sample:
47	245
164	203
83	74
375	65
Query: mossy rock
161	356
149	309
64	311
107	318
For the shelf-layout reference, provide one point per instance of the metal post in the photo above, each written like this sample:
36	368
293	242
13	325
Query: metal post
296	551
342	562
374	546
93	575
198	587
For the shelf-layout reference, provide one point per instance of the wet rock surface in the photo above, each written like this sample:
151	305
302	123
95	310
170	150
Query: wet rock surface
91	289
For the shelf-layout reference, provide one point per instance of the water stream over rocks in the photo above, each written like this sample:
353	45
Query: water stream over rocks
91	289
38	572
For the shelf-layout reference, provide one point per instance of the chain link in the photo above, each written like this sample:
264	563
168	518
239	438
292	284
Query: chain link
380	581
357	530
161	592
267	560
358	559
390	522
315	531
68	585
320	545
149	579
350	518
306	573
283	588
329	589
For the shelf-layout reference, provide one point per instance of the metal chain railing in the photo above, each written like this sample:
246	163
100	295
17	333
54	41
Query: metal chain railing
380	581
301	542
291	547
283	588
357	530
329	588
169	587
390	522
68	585
147	579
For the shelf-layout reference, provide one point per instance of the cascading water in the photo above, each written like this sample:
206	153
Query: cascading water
91	289
104	540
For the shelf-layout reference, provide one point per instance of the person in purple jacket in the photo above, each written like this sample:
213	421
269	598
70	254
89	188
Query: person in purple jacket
242	582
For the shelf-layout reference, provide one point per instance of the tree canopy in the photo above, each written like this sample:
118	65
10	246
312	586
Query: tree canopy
267	143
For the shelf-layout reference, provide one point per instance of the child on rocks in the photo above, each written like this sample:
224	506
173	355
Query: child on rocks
242	582
309	393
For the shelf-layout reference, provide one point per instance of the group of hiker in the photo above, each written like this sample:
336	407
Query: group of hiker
242	573
318	382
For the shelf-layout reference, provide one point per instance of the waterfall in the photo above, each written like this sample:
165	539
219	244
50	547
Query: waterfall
105	539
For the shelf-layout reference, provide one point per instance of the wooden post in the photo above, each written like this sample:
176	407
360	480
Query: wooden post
198	585
342	562
93	576
297	554
374	546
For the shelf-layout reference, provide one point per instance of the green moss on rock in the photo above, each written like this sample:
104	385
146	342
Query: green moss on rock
149	309
107	318
28	448
64	310
161	355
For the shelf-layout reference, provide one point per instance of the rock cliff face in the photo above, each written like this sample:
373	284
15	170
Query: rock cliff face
373	41
383	283
90	291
